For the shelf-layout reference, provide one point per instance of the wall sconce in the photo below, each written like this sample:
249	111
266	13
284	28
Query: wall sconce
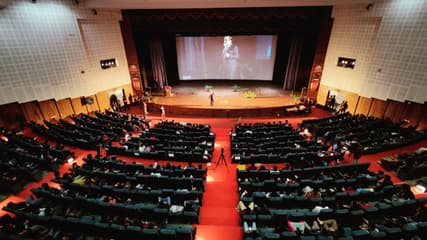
108	63
346	62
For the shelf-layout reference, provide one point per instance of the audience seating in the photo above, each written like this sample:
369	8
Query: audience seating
278	143
170	140
407	165
374	134
109	198
23	160
363	204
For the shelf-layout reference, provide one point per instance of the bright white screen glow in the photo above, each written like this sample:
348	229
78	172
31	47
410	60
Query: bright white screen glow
226	57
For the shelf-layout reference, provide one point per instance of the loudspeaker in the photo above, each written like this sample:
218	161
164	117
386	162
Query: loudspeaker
89	100
83	101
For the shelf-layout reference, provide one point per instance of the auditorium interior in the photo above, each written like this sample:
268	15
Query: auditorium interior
206	120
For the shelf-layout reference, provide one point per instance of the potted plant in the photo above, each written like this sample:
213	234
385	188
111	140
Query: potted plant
208	88
236	88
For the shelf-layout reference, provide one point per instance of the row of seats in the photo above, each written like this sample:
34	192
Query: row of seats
278	143
170	171
137	195
153	181
374	134
146	211
188	156
81	227
67	136
407	231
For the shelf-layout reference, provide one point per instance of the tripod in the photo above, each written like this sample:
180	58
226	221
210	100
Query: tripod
221	159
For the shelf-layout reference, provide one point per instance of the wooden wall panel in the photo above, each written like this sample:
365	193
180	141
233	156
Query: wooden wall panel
93	107
32	112
11	115
352	101
49	110
103	97
378	108
65	107
413	113
322	94
103	100
363	106
77	105
394	110
422	125
128	89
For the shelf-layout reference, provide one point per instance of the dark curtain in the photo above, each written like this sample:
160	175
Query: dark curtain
282	52
158	62
293	63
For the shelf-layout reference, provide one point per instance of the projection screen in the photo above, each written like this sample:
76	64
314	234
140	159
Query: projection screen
242	57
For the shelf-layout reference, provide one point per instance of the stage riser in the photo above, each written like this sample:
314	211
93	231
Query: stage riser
222	113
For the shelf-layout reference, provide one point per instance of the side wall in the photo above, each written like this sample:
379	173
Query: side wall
52	49
412	113
388	42
16	114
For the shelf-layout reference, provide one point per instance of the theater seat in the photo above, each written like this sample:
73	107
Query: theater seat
166	233
286	235
378	235
150	234
184	233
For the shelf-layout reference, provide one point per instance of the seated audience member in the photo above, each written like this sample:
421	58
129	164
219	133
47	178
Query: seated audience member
328	225
164	201
250	230
405	193
299	226
313	194
251	167
243	209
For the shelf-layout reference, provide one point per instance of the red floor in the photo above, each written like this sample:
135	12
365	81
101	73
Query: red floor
218	217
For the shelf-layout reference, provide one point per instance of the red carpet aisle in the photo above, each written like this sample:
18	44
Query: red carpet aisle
218	216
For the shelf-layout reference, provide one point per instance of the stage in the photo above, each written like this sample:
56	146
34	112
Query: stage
249	98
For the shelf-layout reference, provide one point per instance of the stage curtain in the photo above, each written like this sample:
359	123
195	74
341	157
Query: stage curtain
158	62
293	63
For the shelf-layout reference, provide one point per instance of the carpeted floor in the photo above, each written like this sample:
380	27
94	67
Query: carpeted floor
218	216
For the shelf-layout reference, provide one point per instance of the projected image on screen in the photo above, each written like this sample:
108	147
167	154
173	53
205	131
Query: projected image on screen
226	57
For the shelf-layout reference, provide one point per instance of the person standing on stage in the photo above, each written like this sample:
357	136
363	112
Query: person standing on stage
162	109
145	109
211	97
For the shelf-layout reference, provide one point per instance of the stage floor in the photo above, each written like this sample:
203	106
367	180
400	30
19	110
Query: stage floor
194	95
